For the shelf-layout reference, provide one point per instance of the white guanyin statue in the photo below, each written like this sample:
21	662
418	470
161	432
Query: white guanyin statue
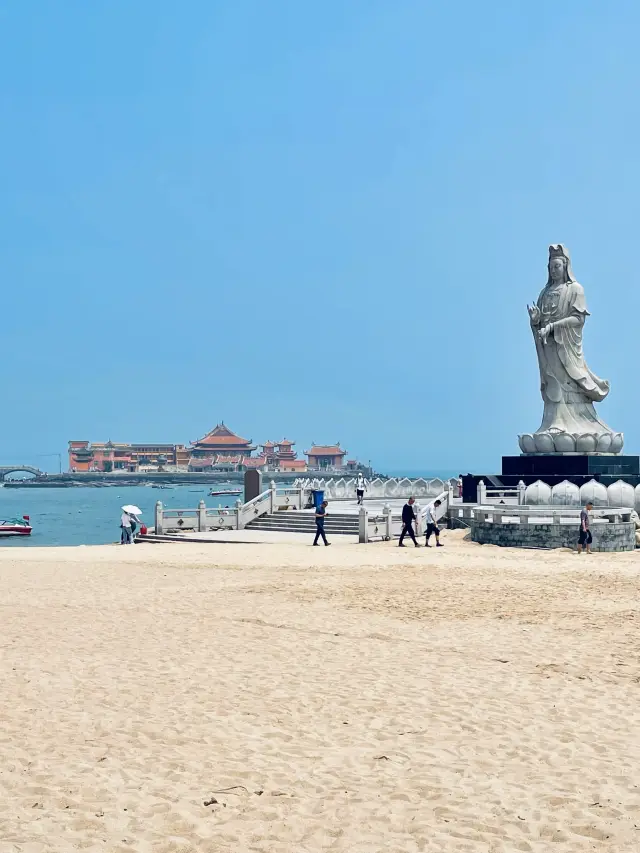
569	389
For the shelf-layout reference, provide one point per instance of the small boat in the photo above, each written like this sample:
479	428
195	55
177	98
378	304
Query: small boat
214	493
16	526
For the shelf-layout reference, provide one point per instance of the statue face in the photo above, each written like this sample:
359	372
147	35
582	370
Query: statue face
557	268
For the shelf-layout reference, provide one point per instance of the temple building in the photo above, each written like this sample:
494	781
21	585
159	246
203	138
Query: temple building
267	453
275	453
285	451
221	449
326	456
111	456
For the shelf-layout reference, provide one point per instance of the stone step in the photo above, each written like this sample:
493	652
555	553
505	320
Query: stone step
307	518
273	524
305	523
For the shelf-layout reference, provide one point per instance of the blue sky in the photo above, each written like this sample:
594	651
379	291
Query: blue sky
318	219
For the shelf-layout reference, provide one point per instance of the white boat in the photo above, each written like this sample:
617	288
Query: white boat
16	526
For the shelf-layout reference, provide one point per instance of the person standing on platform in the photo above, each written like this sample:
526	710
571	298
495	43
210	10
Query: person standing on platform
361	486
585	538
408	518
126	537
432	524
460	486
321	514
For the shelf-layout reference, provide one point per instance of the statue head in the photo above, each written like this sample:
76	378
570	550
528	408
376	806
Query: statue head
559	265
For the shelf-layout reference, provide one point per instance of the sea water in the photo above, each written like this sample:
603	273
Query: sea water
83	515
91	516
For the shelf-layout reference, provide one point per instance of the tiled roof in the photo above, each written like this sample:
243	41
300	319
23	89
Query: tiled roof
222	435
202	462
326	450
254	461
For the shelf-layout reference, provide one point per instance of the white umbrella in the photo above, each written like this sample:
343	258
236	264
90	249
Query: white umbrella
131	509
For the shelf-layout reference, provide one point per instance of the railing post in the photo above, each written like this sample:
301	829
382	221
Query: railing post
202	516
158	518
272	498
388	518
238	514
363	525
481	496
521	493
300	497
419	526
449	497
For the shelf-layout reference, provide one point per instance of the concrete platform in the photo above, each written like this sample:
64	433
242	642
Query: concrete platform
246	537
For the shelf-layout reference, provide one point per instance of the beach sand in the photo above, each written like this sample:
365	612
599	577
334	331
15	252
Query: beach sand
355	698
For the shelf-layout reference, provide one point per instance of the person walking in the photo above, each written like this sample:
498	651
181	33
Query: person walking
585	539
432	524
126	537
361	486
408	518
321	514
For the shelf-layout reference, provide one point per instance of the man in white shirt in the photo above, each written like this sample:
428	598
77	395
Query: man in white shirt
361	485
432	524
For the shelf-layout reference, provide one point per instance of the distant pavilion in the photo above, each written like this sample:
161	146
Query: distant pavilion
326	456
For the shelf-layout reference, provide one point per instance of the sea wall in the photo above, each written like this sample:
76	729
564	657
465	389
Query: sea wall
618	536
97	480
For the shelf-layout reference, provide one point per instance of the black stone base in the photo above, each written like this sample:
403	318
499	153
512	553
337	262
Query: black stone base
568	466
553	470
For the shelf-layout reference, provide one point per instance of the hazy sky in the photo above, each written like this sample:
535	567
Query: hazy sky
322	220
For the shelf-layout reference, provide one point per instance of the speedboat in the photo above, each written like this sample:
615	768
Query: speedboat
214	493
16	526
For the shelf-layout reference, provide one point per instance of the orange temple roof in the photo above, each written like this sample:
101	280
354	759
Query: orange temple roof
222	435
326	450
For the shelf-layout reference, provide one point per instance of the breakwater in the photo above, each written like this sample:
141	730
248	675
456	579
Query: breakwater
95	479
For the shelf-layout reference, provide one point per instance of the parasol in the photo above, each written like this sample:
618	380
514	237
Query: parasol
131	509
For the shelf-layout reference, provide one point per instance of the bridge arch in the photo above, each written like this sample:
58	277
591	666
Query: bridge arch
13	469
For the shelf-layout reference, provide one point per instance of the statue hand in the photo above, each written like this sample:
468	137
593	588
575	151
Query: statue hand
534	314
544	333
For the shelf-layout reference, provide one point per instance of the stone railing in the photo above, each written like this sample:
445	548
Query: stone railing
564	494
385	525
203	518
345	488
613	528
553	514
200	519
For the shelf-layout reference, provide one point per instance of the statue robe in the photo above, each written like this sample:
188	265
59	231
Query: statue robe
564	374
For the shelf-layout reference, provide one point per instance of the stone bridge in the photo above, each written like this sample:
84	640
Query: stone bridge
10	469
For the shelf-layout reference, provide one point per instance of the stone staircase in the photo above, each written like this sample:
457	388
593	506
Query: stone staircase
304	522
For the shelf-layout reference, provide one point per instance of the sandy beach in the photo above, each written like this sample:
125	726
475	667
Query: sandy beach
354	698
